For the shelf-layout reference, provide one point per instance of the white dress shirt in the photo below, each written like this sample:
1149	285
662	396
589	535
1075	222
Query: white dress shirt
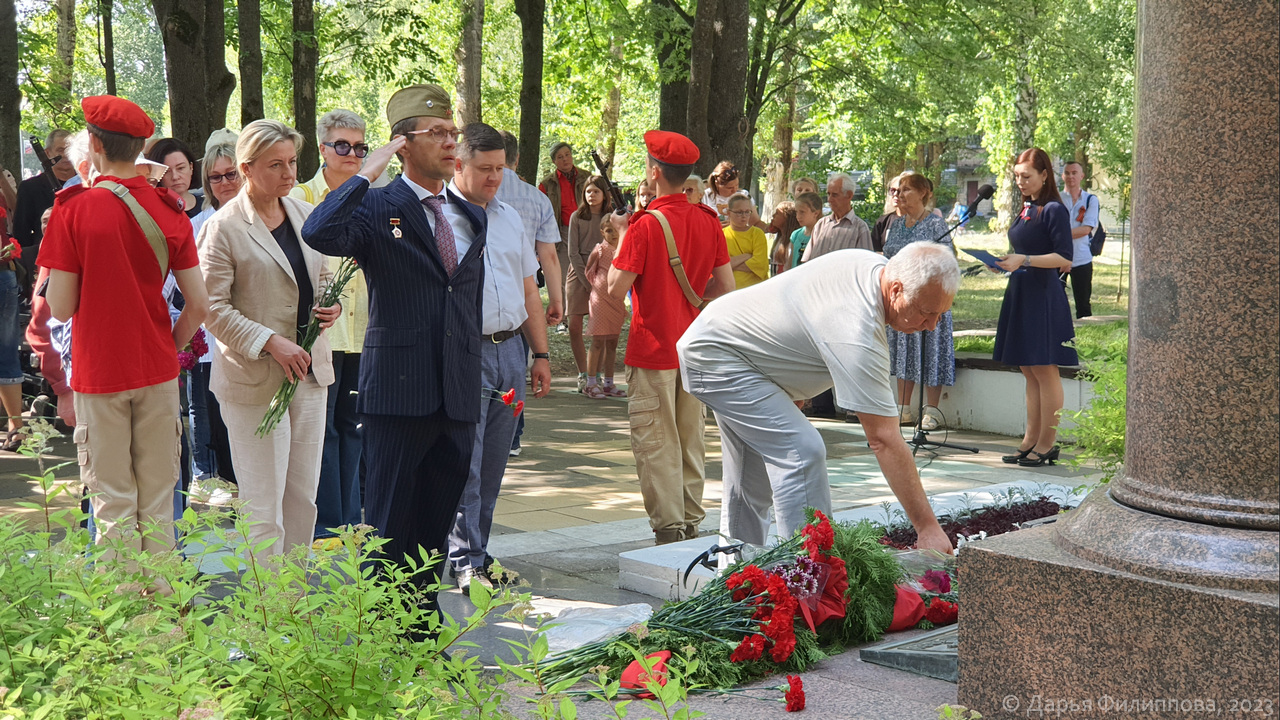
508	259
463	233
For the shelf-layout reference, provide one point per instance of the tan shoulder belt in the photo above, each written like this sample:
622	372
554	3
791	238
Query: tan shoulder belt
155	236
673	257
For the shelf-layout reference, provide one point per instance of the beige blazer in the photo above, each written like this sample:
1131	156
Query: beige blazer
253	295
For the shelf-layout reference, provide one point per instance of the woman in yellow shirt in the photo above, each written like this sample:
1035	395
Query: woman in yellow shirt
748	247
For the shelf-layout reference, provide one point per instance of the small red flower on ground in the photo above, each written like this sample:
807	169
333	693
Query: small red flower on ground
634	676
941	612
751	648
795	694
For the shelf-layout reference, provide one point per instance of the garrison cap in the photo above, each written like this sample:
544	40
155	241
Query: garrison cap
117	115
671	148
425	100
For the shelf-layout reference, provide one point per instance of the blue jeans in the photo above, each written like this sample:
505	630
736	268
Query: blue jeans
338	494
10	333
202	460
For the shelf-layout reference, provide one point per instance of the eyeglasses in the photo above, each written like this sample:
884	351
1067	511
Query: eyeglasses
740	212
228	176
344	148
437	135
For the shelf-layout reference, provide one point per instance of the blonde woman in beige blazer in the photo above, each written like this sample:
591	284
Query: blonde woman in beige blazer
251	254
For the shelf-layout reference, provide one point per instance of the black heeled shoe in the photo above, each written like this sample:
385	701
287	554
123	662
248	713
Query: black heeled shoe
1035	459
1012	459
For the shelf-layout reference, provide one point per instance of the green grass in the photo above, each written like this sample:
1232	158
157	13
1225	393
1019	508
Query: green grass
977	306
1094	343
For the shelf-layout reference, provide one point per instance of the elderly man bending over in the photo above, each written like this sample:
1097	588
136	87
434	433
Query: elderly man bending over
752	353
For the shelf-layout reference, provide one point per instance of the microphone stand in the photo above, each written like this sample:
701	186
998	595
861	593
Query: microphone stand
920	439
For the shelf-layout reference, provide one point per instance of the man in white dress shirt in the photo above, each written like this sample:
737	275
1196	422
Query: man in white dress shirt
511	305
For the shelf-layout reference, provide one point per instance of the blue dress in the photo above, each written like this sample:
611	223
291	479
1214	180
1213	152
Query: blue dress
1035	318
904	348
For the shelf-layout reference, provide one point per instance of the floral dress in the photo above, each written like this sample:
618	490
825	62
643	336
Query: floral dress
904	348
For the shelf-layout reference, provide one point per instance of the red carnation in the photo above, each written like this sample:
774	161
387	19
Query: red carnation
509	396
634	676
751	648
517	408
818	537
941	612
795	693
198	345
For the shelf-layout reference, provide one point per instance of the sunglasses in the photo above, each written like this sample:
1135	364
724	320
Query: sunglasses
229	176
344	148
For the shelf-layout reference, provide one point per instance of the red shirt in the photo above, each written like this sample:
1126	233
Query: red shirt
568	196
122	338
660	311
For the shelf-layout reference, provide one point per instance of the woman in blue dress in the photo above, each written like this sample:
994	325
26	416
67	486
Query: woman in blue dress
1035	319
916	223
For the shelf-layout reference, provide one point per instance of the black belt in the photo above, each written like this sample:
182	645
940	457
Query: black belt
501	337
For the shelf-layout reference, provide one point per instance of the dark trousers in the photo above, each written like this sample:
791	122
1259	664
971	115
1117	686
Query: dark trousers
515	442
418	467
338	494
1081	288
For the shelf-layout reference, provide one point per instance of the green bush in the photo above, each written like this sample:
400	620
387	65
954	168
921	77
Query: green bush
1099	426
94	632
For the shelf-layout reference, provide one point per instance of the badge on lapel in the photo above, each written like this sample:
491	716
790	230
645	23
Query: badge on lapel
395	228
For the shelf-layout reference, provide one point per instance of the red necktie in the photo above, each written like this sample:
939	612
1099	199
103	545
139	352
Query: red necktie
444	235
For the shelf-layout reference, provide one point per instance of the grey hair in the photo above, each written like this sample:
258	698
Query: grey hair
702	186
258	136
847	183
78	149
922	264
339	119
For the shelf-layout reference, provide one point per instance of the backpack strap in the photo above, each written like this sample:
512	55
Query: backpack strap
155	237
673	257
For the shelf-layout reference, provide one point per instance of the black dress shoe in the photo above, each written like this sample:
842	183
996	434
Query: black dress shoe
1035	459
1013	459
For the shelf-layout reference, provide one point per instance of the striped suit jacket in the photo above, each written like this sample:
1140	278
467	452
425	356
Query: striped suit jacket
422	348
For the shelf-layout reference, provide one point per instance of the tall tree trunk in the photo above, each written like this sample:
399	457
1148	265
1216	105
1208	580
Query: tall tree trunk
728	127
778	172
64	71
702	69
532	14
1025	119
195	66
672	26
611	111
306	55
469	56
1080	139
107	50
249	27
10	94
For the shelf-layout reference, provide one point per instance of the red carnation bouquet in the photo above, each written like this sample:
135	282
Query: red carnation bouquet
508	398
190	356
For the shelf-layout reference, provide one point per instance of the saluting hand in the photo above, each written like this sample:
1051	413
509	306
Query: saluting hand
291	357
377	161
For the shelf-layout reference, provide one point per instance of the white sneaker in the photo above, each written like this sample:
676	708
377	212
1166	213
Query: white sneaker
932	418
514	452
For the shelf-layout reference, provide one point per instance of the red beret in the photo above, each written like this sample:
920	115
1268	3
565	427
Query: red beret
118	115
671	148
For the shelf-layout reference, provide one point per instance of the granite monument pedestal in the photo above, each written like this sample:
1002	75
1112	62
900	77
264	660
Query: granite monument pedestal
1160	595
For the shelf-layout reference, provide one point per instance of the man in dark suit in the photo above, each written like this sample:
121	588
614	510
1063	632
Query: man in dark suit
420	372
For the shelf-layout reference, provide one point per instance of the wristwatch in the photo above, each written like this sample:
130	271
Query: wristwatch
1026	261
542	356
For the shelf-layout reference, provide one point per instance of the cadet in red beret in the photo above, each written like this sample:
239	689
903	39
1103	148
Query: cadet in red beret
109	249
667	423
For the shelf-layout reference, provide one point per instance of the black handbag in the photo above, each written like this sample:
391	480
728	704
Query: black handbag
1099	235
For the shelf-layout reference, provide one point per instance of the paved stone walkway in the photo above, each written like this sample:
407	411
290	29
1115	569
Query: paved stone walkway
571	503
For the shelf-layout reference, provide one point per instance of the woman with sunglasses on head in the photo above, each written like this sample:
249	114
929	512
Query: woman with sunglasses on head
343	149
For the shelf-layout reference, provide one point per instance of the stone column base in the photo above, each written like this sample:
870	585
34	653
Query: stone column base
1044	633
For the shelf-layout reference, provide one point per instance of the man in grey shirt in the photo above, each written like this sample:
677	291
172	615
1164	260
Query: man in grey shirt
751	354
841	229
